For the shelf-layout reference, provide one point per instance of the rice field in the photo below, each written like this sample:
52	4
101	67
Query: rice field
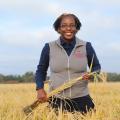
14	97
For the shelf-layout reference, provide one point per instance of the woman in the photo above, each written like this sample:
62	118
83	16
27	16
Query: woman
68	57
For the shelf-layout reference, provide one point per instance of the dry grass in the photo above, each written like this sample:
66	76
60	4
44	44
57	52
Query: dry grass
13	97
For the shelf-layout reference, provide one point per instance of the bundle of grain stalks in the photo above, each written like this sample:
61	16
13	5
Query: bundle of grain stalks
29	109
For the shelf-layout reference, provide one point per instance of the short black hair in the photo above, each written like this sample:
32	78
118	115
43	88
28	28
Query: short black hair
57	22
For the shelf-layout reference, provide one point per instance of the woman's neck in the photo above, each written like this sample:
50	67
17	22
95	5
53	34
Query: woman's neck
67	41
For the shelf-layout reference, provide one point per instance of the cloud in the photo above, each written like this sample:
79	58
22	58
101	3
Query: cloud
23	36
26	25
98	2
114	48
29	6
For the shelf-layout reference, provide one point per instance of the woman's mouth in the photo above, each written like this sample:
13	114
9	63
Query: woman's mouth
68	33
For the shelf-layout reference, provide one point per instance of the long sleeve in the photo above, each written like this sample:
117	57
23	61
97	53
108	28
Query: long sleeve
92	55
41	72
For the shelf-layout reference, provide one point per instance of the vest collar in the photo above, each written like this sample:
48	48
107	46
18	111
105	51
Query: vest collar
78	42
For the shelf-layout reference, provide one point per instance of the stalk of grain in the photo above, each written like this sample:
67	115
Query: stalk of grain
29	109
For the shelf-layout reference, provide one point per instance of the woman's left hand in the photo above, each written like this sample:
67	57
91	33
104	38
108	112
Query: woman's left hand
86	76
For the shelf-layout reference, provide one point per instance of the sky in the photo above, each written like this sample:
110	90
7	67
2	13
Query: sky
26	25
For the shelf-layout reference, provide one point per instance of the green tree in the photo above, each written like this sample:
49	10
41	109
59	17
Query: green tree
28	77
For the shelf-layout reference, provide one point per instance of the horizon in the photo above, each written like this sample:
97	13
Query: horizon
27	25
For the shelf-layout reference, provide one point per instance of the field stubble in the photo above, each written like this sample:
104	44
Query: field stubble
14	97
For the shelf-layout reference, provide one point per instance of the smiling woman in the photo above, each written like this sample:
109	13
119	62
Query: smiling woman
67	26
68	57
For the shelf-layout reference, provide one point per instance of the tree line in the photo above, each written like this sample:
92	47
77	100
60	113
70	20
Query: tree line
25	78
29	77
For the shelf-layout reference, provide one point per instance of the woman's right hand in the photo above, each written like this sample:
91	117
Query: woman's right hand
41	95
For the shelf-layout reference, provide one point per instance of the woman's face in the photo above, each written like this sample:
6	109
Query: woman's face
67	28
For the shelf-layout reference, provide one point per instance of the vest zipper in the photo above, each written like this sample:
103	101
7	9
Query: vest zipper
68	71
68	57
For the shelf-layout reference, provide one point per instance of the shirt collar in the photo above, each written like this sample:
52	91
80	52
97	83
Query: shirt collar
63	42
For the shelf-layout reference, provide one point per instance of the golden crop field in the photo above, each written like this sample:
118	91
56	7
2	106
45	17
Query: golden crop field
14	97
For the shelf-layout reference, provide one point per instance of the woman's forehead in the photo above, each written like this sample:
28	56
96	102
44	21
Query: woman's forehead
67	18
